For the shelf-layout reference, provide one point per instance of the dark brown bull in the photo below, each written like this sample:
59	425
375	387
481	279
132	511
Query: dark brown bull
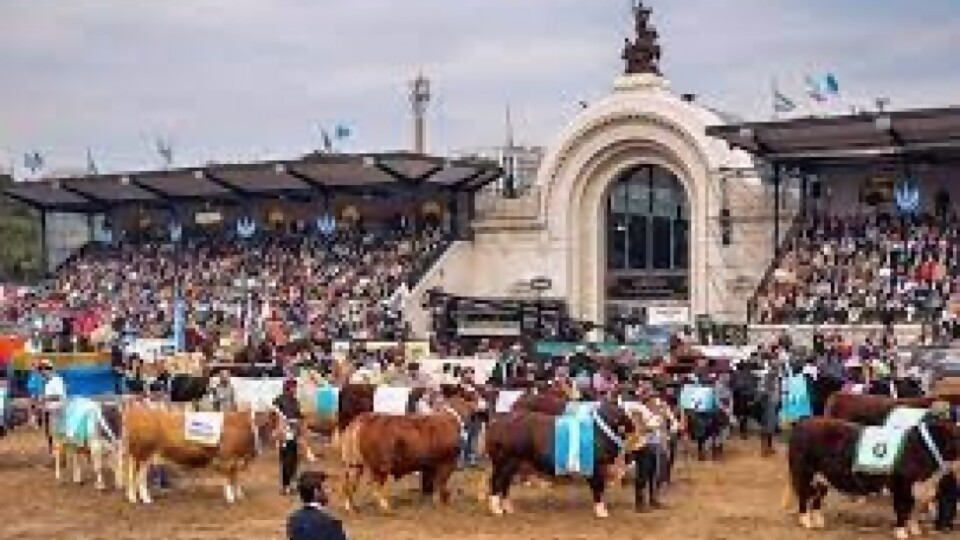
822	453
525	439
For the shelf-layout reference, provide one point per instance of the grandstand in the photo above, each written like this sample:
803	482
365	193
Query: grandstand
322	247
876	239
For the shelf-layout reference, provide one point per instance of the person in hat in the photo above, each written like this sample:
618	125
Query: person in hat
288	408
52	398
313	521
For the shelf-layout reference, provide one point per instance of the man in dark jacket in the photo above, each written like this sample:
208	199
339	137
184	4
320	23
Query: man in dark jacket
312	521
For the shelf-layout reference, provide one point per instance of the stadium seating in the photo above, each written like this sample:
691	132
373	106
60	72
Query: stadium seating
858	269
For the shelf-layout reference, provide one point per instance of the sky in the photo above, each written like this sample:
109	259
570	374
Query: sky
232	80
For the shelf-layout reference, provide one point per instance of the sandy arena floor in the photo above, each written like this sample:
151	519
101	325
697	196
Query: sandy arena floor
738	497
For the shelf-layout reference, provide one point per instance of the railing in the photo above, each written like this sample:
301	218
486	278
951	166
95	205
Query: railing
424	264
792	232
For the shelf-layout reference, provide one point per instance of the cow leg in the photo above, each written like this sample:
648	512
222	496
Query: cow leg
903	504
142	482
96	460
228	492
428	484
817	520
75	465
58	459
351	477
598	484
131	480
381	489
442	482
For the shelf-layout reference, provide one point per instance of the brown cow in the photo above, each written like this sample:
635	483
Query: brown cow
152	435
822	452
395	446
525	439
869	409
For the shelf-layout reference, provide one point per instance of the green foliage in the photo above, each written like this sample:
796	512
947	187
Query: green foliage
19	239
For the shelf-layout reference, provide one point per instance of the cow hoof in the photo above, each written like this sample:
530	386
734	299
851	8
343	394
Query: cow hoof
900	533
507	506
495	506
601	511
914	528
805	521
817	519
100	487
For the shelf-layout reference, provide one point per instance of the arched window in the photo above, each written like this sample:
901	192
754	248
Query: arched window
648	221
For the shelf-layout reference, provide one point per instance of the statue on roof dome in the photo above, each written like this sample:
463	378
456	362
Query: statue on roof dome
643	54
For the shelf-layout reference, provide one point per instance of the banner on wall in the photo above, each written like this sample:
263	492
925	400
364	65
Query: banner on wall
668	315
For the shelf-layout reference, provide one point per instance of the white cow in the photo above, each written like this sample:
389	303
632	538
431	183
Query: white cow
82	429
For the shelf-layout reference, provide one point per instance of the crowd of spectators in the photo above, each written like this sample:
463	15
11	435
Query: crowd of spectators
348	284
871	268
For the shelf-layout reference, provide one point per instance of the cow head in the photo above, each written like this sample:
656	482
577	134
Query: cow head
620	422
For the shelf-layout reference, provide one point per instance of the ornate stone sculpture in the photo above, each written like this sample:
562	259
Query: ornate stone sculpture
643	54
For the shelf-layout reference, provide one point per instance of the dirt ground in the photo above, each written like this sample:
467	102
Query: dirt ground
738	497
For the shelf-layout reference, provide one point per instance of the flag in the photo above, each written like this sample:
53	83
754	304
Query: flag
830	85
782	103
327	141
33	161
341	132
179	322
814	90
165	150
91	164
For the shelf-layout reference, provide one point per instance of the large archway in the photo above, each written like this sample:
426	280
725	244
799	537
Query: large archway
647	240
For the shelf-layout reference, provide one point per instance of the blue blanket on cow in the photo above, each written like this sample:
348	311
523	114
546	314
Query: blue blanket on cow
78	420
698	398
573	448
328	401
796	399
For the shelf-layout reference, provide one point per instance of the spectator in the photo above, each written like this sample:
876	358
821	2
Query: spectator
313	521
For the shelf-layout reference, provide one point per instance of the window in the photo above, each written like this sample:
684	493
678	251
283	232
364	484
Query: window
648	222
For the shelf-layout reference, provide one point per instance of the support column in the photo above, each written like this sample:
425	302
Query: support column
453	210
804	188
776	210
44	258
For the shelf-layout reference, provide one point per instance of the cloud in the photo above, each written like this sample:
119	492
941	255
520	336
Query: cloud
246	79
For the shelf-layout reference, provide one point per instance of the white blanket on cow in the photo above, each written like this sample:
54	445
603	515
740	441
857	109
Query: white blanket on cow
204	428
256	394
391	400
506	399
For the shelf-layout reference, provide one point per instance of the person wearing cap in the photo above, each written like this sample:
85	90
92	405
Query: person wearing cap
222	395
52	398
288	408
313	521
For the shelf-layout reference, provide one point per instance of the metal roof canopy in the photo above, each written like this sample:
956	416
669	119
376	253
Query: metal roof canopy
925	135
298	178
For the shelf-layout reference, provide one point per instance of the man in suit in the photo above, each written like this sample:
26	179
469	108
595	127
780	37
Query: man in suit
312	522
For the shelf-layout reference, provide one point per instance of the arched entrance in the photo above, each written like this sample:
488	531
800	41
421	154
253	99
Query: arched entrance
647	240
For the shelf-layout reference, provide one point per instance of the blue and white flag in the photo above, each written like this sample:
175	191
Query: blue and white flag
33	161
246	227
342	132
823	88
179	323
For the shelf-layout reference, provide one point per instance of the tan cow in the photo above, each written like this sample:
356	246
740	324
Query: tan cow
154	436
394	446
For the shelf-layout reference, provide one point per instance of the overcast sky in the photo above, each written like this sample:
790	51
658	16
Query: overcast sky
228	80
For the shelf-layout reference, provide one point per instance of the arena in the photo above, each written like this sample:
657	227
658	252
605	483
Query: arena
685	326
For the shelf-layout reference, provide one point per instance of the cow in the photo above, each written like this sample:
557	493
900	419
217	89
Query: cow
388	446
95	432
868	409
152	435
822	452
526	439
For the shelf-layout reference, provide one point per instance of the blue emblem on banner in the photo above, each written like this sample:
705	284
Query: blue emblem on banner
907	196
326	224
176	231
246	227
